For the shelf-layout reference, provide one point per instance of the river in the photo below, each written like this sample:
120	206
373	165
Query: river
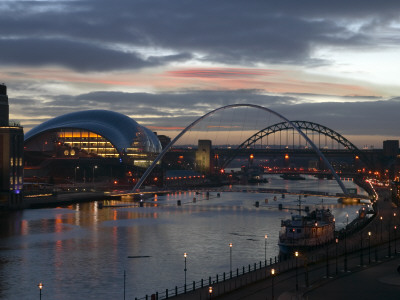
82	252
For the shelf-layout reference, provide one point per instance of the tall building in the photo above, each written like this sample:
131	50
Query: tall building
203	156
390	148
11	156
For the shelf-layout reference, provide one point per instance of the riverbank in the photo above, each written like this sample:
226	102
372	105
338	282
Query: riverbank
362	265
57	199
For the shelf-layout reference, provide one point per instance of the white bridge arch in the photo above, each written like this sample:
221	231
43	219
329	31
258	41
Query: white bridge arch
161	155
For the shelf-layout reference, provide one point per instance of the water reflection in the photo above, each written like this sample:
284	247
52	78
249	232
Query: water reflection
81	252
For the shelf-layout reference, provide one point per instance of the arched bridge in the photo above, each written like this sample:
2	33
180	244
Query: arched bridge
294	126
302	125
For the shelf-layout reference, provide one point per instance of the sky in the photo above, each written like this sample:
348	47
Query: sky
167	63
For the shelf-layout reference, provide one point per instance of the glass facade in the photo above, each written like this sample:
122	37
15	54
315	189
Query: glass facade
98	133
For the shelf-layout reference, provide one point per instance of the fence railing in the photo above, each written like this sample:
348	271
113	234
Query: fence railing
349	244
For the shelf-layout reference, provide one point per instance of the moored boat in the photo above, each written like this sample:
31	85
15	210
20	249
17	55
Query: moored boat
303	232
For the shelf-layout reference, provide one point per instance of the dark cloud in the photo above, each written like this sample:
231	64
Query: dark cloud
74	55
368	117
90	35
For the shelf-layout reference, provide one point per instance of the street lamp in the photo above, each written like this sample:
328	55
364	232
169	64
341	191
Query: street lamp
395	239
40	285
185	255
265	249
327	261
345	244
230	257
94	167
76	168
210	291
381	227
272	279
337	242
296	254
361	250
369	247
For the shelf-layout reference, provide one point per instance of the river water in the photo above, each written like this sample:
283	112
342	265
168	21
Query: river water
82	252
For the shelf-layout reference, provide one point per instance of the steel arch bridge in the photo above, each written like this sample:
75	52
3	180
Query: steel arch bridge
302	125
316	149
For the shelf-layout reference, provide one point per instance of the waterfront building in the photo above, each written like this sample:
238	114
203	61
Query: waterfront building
203	156
11	156
391	148
83	140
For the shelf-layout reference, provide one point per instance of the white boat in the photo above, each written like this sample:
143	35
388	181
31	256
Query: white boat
302	232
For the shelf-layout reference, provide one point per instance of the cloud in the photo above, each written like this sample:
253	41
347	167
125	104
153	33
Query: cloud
74	55
177	110
166	63
102	35
221	73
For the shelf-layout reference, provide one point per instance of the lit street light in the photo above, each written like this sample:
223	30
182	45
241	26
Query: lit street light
40	285
337	242
230	255
297	282
381	227
272	279
265	249
185	255
369	247
210	291
76	168
94	167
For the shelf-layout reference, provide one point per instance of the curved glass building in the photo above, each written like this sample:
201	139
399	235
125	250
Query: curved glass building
94	133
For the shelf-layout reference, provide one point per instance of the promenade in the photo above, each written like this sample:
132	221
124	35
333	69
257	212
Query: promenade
360	266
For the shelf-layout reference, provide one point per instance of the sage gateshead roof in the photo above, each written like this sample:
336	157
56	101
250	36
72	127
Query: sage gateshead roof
98	132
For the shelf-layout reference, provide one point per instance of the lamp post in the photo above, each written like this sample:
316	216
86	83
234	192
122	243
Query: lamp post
265	250
76	168
94	167
369	247
361	250
230	257
381	218
210	291
337	242
272	280
345	244
185	255
296	254
327	261
40	285
395	239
